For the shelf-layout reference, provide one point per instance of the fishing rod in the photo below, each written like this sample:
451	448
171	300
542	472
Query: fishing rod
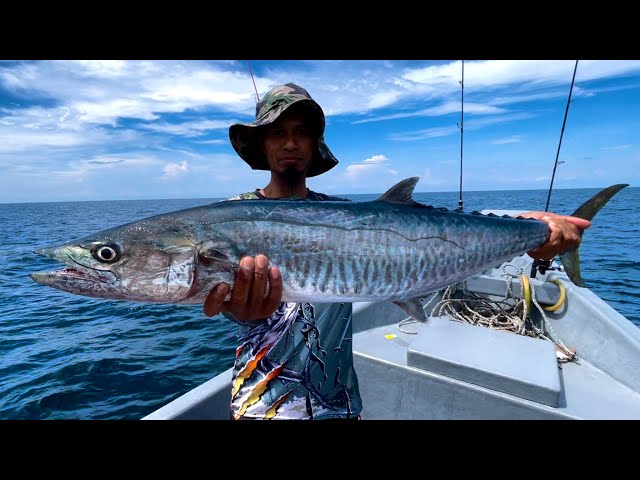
555	165
544	265
461	127
254	82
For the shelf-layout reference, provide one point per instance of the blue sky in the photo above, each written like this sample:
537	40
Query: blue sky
103	130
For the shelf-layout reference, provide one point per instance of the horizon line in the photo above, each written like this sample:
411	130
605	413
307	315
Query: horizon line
332	194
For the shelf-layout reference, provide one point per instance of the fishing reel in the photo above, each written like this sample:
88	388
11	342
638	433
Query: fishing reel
542	266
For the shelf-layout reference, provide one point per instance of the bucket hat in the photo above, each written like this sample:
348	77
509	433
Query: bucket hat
244	138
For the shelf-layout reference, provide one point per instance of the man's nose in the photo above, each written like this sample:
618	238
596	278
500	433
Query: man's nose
290	141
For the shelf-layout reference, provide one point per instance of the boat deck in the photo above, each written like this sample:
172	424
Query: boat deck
410	392
452	370
392	388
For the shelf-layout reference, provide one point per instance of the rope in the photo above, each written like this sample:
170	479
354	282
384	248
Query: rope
569	354
511	313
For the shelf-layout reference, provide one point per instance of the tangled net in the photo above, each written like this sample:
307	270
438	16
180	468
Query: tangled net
510	313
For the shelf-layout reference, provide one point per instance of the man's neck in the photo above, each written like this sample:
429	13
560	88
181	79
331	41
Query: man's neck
279	187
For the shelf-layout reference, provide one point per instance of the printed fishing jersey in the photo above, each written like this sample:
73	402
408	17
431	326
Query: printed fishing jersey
298	363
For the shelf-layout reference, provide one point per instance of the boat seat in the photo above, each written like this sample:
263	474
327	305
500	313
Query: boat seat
506	362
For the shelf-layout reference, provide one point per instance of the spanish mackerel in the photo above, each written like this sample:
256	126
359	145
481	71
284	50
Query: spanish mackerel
391	249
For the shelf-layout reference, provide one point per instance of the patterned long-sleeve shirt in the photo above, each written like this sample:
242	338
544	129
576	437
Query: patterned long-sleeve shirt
298	363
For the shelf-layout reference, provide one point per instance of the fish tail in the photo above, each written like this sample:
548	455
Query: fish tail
571	258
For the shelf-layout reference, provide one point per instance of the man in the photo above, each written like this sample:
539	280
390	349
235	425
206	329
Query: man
295	360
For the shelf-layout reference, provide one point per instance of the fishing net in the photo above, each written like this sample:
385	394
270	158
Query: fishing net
511	313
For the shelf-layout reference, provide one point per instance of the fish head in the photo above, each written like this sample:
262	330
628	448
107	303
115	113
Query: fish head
138	262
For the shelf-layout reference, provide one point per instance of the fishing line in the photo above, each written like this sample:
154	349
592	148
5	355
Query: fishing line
461	127
254	82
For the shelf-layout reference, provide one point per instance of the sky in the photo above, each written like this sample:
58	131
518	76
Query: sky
73	130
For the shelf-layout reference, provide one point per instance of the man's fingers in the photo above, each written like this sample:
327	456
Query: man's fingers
248	301
258	286
274	298
556	234
565	234
581	223
242	285
215	299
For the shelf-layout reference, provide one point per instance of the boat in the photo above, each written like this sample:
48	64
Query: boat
584	364
519	341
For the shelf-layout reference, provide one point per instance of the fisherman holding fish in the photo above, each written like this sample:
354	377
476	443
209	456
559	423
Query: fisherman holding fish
295	360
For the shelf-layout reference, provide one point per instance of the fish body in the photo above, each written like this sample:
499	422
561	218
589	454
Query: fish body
391	249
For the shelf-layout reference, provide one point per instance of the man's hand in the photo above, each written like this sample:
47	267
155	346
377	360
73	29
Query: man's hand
565	233
248	301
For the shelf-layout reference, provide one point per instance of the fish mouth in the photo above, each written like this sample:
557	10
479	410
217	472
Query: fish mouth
74	273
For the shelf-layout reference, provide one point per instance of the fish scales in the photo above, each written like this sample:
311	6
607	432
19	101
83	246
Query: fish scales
369	251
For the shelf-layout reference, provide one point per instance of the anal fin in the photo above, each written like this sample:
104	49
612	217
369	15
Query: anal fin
413	308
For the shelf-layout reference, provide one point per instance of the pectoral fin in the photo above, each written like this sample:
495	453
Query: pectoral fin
213	258
414	309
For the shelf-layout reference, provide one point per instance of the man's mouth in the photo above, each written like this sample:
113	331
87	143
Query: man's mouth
290	159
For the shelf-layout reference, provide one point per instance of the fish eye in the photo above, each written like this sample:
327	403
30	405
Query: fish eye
106	253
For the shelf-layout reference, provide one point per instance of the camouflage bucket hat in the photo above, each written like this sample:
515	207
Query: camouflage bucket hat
244	136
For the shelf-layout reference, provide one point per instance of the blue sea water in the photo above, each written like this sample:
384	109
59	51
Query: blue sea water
64	356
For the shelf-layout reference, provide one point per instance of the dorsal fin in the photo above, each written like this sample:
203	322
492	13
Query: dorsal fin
401	192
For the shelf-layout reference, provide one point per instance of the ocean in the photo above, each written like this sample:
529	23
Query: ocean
64	356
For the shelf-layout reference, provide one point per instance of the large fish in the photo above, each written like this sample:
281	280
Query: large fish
391	249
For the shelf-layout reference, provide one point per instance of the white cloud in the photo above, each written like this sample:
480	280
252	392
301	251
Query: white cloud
426	133
617	148
189	129
499	73
512	139
440	110
377	165
172	171
102	68
473	124
13	140
103	91
376	159
142	121
101	168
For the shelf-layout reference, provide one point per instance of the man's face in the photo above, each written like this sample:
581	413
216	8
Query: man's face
288	144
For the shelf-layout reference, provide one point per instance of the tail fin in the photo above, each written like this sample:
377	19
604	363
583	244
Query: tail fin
571	259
